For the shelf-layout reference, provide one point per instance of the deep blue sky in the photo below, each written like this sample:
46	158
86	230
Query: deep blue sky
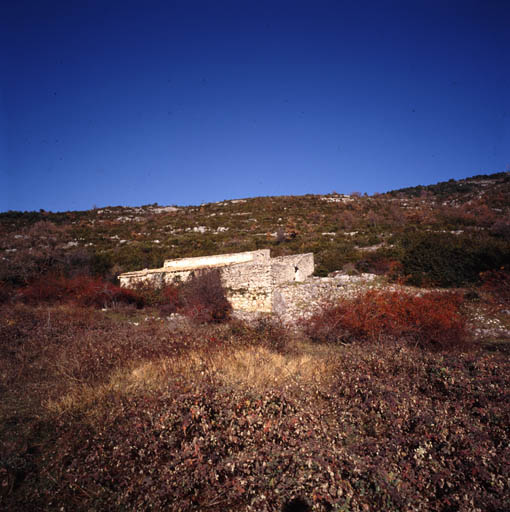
108	103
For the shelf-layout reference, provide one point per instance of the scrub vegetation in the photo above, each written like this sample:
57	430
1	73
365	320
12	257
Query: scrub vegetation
440	235
115	399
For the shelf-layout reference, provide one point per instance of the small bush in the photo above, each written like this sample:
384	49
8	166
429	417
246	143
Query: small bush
171	300
375	263
166	297
203	298
280	236
88	291
497	283
429	321
333	257
272	334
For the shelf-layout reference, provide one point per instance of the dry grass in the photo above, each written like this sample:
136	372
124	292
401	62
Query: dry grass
253	367
90	399
260	368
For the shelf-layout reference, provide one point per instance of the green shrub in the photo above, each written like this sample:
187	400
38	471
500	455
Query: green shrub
334	258
449	260
137	256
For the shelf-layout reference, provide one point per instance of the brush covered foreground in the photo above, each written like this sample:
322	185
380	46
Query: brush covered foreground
120	410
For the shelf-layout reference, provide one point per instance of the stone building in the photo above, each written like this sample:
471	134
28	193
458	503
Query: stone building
249	278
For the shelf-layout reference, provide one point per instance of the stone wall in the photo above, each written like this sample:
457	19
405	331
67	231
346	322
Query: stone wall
300	300
296	267
154	277
218	260
249	286
249	278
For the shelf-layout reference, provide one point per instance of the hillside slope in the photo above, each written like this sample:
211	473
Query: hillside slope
371	233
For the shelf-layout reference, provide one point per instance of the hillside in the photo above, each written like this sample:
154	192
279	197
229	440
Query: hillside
391	396
373	233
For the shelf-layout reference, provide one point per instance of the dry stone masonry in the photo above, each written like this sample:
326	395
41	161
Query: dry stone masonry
257	283
250	278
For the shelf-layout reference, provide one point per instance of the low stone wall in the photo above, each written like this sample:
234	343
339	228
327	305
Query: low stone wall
152	277
218	260
248	286
249	278
300	300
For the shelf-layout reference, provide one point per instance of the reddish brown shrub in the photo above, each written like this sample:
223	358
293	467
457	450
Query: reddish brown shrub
204	298
497	283
171	300
432	320
47	289
81	290
273	334
376	263
89	291
166	296
270	333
